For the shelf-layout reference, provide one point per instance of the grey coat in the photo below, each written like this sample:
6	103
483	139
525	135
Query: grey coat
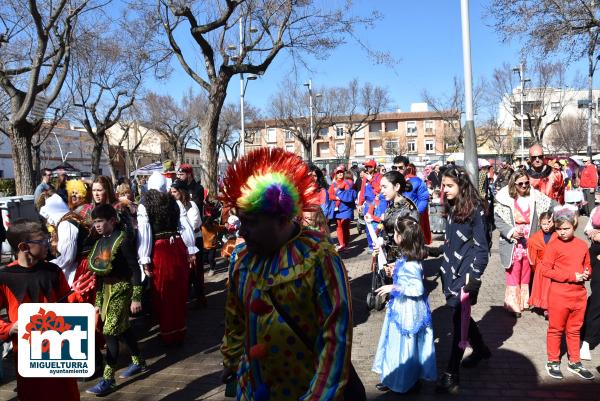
504	217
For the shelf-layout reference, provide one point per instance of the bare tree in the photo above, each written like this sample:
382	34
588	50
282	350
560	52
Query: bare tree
229	138
35	55
570	134
290	108
450	108
356	107
496	137
543	104
108	67
175	121
268	28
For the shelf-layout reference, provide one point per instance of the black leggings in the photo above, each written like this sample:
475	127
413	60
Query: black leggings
112	346
475	340
590	331
211	255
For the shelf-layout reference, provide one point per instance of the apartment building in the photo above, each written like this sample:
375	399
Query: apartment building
420	134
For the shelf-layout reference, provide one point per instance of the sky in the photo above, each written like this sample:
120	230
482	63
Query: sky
424	36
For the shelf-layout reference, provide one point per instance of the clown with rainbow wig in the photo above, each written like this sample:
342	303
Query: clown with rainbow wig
288	320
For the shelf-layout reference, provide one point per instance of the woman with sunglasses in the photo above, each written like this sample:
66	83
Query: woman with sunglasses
516	213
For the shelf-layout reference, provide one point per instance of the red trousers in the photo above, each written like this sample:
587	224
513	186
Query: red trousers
565	315
343	231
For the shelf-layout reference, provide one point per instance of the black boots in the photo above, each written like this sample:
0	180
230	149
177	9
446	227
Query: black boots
448	384
476	356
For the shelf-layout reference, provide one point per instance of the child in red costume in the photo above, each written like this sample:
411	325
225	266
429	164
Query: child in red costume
31	279
536	246
567	263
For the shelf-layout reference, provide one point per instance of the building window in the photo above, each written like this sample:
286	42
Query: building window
412	147
323	131
339	132
555	107
429	146
289	147
340	148
411	128
375	127
323	149
271	135
391	126
359	134
392	146
359	148
376	147
289	135
428	127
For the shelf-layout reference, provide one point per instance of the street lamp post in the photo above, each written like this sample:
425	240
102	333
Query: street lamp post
243	85
310	107
520	70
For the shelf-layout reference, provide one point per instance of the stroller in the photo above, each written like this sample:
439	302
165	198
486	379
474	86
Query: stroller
378	278
361	226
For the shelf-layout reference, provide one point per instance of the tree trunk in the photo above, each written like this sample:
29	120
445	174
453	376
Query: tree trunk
97	153
209	138
347	147
37	163
20	141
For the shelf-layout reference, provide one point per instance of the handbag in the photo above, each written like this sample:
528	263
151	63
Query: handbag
355	390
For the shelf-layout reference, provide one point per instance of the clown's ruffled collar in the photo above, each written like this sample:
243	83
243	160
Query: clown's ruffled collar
295	259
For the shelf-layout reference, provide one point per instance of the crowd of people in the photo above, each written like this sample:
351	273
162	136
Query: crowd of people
141	248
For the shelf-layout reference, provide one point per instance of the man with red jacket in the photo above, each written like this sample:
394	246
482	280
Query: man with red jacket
588	181
540	174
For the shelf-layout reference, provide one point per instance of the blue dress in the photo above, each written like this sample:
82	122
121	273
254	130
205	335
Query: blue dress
406	352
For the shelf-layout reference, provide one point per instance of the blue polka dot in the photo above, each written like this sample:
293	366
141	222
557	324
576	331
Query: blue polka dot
274	349
284	272
280	319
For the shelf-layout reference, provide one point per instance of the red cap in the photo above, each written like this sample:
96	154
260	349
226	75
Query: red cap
370	163
185	168
339	168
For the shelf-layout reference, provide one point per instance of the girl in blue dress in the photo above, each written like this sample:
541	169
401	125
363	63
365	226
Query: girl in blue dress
406	353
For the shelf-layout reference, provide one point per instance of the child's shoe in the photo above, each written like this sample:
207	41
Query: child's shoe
553	369
580	371
584	352
103	387
448	384
132	370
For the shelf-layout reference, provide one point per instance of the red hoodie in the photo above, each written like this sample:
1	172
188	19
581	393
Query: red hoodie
589	177
561	261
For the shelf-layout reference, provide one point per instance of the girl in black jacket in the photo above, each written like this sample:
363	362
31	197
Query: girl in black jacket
465	258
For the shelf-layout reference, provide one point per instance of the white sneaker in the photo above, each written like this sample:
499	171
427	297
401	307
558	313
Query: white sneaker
584	352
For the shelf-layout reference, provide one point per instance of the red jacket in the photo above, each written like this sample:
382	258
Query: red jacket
560	263
589	177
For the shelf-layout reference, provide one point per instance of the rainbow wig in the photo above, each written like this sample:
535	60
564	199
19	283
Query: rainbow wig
270	181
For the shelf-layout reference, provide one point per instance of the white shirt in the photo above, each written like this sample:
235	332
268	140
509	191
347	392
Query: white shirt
145	239
67	248
193	214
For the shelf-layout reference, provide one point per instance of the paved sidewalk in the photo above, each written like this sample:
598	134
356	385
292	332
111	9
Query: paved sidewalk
514	373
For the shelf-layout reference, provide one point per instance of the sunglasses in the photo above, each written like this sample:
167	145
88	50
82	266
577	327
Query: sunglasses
524	184
398	168
540	157
45	241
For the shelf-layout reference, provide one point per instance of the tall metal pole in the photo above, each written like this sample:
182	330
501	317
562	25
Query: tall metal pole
242	90
521	77
591	67
310	99
470	147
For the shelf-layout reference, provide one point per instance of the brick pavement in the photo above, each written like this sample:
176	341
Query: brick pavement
515	372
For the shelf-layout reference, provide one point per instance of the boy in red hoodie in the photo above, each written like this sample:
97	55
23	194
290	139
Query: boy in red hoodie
567	263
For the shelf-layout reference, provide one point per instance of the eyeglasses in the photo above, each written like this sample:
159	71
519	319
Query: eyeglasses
523	184
45	241
398	168
540	157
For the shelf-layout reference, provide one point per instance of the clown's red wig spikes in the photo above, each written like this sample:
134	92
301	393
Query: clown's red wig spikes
241	177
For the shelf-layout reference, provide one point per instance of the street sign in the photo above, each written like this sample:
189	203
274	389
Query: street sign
40	105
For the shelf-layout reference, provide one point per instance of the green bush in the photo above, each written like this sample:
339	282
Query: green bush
7	186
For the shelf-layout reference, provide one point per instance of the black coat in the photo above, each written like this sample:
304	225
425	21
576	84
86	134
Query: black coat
465	252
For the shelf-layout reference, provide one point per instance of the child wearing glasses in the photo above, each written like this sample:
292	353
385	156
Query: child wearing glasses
517	214
30	279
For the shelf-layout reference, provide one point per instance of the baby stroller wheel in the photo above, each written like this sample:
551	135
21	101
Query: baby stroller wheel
371	297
